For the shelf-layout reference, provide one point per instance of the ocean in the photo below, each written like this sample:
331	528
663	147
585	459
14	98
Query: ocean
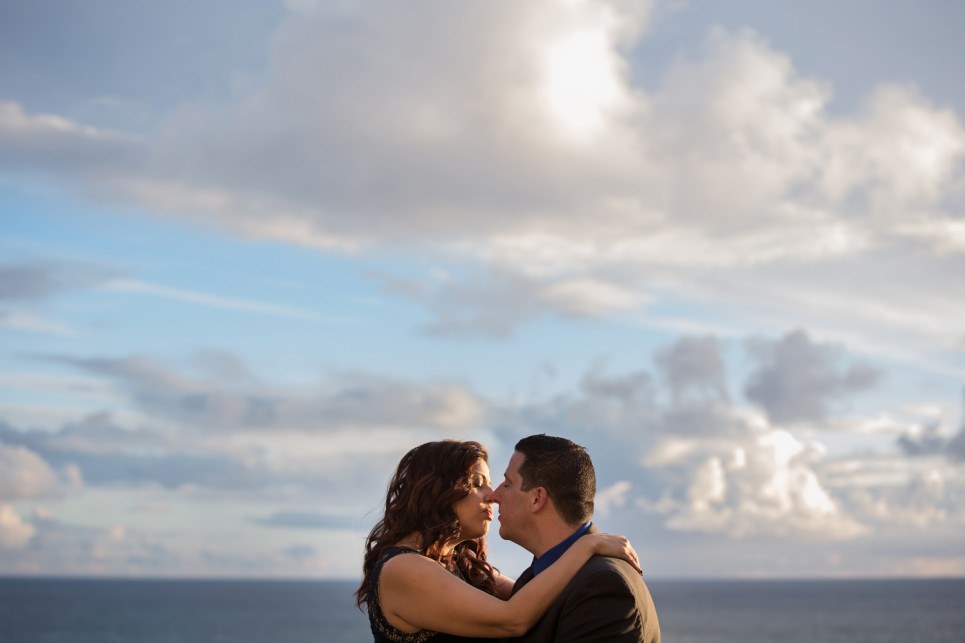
34	610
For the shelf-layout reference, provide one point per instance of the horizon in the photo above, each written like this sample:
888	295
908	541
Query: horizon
302	579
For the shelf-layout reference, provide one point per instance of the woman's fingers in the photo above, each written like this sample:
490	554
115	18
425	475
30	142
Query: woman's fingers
634	560
630	554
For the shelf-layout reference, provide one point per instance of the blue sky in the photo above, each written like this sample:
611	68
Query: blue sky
251	252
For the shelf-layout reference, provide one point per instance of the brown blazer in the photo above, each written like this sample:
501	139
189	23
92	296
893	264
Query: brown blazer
607	601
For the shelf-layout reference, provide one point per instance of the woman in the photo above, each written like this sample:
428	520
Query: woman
438	507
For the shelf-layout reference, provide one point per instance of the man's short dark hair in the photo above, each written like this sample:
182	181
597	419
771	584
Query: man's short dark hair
564	469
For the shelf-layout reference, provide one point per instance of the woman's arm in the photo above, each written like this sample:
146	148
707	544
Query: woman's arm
504	584
417	593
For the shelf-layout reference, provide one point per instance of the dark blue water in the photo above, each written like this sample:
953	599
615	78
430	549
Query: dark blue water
161	611
128	611
854	611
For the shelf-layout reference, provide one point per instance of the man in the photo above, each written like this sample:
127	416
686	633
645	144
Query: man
545	504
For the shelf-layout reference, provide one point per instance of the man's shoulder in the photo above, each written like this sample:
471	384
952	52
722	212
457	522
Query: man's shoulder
606	595
602	573
606	565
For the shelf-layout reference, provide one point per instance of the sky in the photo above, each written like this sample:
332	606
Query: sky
253	251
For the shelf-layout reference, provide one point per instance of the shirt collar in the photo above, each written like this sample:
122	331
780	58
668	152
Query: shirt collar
543	562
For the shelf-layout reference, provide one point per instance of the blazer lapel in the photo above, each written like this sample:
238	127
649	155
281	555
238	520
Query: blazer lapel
524	578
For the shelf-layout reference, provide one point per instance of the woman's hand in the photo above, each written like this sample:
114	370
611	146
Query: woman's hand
614	546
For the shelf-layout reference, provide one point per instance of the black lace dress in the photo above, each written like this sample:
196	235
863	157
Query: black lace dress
382	630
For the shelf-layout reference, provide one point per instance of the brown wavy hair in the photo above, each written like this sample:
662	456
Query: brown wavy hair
429	479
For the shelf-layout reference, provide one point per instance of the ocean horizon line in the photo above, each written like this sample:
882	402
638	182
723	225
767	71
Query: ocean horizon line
340	580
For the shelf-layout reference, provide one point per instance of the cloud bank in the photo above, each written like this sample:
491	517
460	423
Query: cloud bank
516	140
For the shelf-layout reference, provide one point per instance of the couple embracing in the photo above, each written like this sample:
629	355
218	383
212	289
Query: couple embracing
426	576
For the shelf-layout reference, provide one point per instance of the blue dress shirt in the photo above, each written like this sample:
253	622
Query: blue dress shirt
543	562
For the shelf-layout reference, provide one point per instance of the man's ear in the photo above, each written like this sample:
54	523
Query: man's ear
538	499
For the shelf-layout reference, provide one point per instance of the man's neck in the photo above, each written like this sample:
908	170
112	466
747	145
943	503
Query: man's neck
551	535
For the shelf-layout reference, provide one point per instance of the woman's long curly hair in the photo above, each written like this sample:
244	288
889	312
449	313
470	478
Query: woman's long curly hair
429	480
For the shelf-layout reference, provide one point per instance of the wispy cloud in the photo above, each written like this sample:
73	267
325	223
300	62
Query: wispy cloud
35	324
218	302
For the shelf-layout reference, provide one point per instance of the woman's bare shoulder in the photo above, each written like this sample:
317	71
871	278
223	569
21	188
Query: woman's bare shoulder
411	566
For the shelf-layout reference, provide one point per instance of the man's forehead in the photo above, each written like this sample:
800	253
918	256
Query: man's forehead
512	469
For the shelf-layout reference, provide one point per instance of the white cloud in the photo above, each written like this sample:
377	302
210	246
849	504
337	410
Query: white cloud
14	532
47	142
900	149
35	324
612	497
700	462
756	487
738	129
17	124
24	474
890	491
945	236
210	300
589	297
708	485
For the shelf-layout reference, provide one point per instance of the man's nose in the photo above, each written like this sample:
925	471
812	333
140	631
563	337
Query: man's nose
491	496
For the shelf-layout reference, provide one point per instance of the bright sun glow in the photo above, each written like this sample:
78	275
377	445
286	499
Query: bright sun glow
581	83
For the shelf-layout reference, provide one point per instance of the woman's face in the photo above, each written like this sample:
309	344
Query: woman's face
475	511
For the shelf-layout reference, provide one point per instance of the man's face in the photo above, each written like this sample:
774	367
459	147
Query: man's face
514	503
